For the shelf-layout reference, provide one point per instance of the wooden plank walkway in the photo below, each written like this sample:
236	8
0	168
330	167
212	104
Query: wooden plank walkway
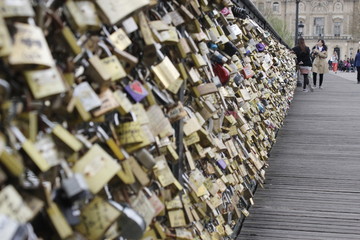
312	188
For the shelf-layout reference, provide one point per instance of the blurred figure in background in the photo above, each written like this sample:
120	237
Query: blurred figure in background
357	65
334	62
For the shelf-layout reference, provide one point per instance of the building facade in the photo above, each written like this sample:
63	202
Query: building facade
335	21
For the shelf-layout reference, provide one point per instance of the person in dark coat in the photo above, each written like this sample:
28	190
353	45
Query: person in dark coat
357	65
303	59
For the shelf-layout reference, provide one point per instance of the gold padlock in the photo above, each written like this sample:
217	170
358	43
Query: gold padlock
30	47
30	149
98	167
21	8
44	83
165	72
114	11
58	220
5	40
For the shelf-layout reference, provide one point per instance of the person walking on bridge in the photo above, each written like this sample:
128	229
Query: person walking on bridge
319	52
334	61
303	60
357	65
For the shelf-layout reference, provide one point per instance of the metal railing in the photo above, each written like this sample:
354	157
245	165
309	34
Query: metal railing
328	37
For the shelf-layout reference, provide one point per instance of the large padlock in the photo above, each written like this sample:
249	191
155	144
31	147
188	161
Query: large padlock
131	225
114	11
5	40
165	72
18	9
30	47
97	167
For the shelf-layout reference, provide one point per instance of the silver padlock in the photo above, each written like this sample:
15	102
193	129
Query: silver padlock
145	158
131	225
12	230
73	184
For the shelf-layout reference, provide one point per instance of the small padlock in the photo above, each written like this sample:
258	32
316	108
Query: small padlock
111	143
130	224
222	73
221	163
95	69
89	100
31	151
136	90
129	25
11	229
165	71
44	83
64	135
175	15
145	158
183	46
73	184
112	63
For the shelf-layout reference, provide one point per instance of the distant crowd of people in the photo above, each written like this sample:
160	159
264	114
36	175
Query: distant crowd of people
347	65
315	61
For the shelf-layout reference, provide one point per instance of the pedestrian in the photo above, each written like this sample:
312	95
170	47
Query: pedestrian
357	65
330	64
334	61
319	52
304	61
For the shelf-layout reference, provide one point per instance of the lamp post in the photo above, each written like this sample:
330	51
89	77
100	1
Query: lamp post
301	28
296	21
298	82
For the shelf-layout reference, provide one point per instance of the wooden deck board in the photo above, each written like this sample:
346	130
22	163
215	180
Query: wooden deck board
312	188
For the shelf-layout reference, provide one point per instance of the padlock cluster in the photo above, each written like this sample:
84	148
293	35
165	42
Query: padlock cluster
138	119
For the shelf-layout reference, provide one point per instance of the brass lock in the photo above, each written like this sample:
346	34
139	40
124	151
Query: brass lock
30	47
5	42
113	12
21	8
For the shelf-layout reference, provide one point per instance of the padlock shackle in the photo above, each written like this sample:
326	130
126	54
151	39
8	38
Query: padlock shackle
18	134
65	166
47	121
105	48
7	87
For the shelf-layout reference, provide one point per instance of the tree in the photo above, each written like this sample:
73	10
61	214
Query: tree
281	28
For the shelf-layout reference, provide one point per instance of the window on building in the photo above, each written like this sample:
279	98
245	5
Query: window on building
302	7
261	7
276	7
319	23
337	28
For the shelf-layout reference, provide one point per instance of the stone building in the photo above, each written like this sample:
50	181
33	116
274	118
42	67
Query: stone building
335	21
